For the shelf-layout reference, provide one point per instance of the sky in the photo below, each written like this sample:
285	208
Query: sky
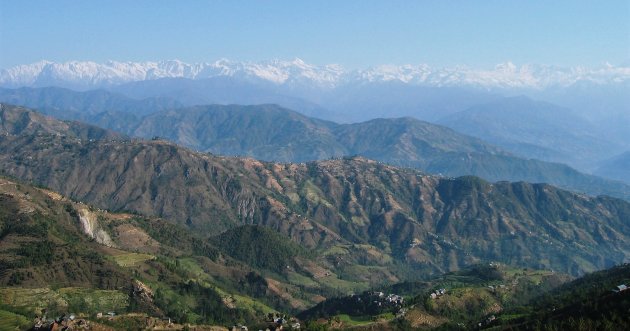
353	33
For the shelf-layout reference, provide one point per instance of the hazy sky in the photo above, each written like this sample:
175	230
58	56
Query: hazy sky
355	34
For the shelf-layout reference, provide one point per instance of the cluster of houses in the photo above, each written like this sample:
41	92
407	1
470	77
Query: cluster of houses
438	293
391	298
487	321
65	322
108	314
394	299
275	327
381	299
376	301
493	288
281	322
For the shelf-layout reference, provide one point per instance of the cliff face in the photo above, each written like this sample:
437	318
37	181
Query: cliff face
91	227
427	221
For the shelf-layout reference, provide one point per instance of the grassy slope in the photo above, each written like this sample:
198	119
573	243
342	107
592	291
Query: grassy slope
586	303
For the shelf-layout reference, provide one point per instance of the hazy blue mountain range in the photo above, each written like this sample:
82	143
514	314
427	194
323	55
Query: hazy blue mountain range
538	130
66	103
347	95
617	167
394	98
221	90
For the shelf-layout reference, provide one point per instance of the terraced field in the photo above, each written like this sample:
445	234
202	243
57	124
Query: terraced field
71	299
127	260
11	321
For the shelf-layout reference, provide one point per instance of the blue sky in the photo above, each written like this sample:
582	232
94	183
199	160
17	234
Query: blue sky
355	34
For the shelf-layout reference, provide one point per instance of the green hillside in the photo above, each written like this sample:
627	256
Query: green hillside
587	303
260	247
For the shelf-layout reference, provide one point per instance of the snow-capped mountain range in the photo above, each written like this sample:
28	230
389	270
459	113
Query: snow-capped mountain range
87	75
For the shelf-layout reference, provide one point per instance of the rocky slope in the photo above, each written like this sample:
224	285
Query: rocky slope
273	133
354	209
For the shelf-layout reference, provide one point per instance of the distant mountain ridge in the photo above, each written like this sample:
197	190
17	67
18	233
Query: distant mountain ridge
617	167
272	133
86	74
538	130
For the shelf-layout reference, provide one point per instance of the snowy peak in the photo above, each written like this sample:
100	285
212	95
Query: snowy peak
90	75
86	74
